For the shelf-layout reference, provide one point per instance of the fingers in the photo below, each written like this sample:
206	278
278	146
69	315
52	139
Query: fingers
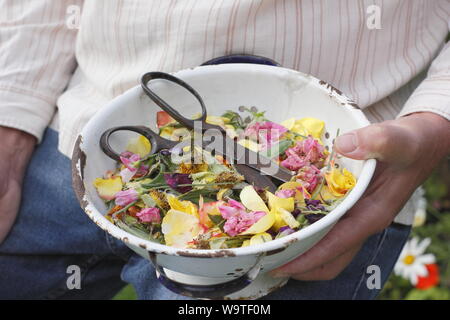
330	270
386	142
346	235
366	218
16	148
9	206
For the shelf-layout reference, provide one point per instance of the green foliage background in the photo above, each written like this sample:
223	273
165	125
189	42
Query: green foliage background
437	228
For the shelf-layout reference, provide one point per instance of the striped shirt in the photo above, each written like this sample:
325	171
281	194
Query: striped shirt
65	59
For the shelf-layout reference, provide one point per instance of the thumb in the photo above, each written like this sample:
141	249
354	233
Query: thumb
386	142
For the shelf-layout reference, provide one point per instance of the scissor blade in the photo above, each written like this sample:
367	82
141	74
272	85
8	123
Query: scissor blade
254	177
238	154
274	170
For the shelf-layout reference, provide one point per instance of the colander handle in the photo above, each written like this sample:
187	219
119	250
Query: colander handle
242	58
213	292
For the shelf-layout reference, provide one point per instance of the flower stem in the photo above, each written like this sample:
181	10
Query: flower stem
124	209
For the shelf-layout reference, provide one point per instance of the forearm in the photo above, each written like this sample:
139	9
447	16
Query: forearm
433	130
16	148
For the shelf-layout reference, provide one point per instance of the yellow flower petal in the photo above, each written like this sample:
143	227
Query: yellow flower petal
218	121
216	243
251	200
206	209
340	182
183	206
107	188
288	218
289	123
293	185
246	243
313	126
180	134
260	238
140	146
261	225
179	228
279	221
166	132
277	202
326	194
221	193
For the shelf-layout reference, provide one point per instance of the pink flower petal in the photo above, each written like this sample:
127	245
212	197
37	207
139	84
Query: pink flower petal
149	215
288	193
124	198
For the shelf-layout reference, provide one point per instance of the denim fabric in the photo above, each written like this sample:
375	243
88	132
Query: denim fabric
52	233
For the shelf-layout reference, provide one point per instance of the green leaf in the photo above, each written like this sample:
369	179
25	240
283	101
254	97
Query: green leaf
134	227
217	243
217	168
235	119
148	201
236	241
194	195
158	180
217	219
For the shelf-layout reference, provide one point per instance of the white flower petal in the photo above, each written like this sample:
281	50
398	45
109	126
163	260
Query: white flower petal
406	271
403	254
426	259
423	245
398	268
420	270
126	175
413	278
413	245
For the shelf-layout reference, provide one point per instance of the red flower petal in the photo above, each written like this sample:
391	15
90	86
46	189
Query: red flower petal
431	280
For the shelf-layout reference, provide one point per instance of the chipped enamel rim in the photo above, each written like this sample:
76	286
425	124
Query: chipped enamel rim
271	247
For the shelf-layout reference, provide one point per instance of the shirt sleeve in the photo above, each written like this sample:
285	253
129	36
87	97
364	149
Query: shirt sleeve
37	58
433	94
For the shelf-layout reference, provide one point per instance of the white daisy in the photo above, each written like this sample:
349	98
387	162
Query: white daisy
411	262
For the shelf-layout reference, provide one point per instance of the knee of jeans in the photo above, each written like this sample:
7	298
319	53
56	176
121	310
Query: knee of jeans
380	266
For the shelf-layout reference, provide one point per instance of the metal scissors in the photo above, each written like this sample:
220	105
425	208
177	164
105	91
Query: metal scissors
255	168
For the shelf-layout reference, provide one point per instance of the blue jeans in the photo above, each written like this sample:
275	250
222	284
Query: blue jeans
52	233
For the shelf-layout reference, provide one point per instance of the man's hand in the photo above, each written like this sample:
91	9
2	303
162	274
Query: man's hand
407	150
16	148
